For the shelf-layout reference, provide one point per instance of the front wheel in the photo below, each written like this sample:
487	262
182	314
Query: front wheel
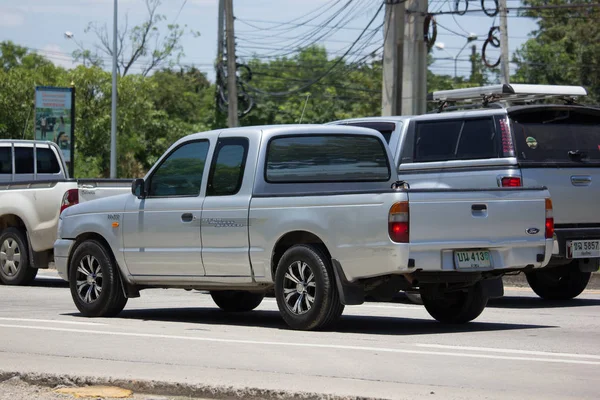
237	301
456	307
559	283
305	289
14	258
95	282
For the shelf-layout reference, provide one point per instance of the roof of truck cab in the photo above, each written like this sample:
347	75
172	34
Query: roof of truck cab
282	130
430	116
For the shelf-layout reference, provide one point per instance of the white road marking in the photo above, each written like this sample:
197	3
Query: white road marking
307	345
54	321
507	351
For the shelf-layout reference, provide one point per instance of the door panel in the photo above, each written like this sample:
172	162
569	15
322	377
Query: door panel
162	231
225	242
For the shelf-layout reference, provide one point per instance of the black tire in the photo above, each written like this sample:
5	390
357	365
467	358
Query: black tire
236	300
326	307
91	258
559	283
456	307
14	258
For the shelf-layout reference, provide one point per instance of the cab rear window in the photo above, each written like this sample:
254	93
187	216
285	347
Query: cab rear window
456	139
557	135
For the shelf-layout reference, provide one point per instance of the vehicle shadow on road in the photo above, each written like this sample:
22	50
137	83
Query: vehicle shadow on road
49	283
372	325
536	302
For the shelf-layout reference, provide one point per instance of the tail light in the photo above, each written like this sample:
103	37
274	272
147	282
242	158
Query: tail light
511	181
398	222
549	220
70	198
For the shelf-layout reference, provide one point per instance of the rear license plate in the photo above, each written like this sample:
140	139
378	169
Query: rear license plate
464	259
583	248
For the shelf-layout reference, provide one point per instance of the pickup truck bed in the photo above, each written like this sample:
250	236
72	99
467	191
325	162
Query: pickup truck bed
312	212
29	212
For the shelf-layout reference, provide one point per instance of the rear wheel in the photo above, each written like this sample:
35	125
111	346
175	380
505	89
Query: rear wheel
95	281
559	283
237	301
305	289
456	307
14	258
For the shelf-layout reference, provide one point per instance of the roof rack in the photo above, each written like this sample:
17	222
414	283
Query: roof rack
505	93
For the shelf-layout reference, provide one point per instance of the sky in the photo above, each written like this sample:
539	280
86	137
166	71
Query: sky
41	24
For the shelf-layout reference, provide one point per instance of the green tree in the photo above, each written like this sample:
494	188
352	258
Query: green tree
565	49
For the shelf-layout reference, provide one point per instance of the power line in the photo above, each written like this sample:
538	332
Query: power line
335	64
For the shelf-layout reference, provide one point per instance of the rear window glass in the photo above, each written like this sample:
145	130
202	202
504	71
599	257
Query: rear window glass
5	160
557	135
23	160
326	158
455	140
47	163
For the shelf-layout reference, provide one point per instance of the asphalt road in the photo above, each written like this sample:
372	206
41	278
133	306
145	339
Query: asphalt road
520	347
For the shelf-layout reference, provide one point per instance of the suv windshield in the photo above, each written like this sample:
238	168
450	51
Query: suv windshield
557	135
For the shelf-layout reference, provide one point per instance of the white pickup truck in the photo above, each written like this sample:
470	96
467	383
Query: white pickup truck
34	189
313	212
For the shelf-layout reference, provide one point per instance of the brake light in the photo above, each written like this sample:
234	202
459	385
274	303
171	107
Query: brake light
549	220
70	198
398	222
511	181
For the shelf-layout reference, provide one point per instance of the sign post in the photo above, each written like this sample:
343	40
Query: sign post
55	120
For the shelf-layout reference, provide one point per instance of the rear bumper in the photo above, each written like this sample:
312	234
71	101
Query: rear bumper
566	232
62	249
433	257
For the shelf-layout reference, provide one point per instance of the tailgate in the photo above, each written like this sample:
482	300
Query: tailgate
489	218
575	192
92	189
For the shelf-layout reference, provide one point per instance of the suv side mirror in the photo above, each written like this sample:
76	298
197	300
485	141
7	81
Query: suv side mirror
137	188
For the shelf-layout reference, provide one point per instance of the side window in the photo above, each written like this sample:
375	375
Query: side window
436	141
180	174
5	160
47	162
477	140
227	170
23	160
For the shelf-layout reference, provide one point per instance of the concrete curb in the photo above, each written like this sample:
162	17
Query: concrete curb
170	388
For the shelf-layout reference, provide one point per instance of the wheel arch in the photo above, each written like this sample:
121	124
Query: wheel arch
129	289
292	238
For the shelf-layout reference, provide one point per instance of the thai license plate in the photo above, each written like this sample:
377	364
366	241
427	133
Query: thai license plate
464	259
583	248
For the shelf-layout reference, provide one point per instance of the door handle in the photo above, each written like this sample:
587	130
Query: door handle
479	210
581	180
187	217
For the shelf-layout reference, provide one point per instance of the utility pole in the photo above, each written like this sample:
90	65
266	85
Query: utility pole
393	54
473	61
232	112
221	22
113	117
414	72
504	61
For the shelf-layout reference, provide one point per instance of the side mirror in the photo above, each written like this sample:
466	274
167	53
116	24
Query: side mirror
137	188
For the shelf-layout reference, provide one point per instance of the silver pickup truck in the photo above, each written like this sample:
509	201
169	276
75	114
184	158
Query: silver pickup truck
313	212
486	141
